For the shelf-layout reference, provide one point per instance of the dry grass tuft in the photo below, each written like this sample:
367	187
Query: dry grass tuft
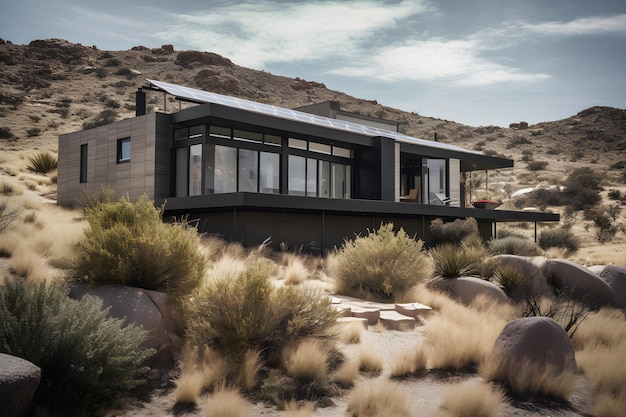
606	327
604	365
251	366
226	402
409	363
293	269
307	362
528	380
382	398
370	359
472	399
189	386
27	264
346	374
349	332
458	337
609	404
292	409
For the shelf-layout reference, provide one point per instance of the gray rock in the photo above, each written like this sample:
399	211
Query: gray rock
538	340
18	381
148	309
537	282
580	283
465	289
615	277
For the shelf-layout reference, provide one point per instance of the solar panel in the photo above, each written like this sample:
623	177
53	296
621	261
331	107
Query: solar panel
253	106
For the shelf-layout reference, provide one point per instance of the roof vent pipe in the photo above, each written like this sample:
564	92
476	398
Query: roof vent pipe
140	102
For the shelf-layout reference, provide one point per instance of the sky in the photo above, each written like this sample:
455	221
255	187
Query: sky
476	62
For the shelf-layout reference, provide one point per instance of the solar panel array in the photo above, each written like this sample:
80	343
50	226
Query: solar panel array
201	96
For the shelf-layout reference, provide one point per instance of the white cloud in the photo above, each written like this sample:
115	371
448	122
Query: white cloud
255	34
583	26
458	61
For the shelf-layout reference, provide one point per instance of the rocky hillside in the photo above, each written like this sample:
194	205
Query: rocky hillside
53	86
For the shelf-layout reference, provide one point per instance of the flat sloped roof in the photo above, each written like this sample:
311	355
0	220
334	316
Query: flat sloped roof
201	96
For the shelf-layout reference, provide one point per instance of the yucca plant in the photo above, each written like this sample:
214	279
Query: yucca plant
513	281
452	261
42	163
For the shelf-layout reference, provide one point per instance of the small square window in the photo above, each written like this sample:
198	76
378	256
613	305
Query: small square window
123	150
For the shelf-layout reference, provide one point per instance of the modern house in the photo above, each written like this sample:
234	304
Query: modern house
249	171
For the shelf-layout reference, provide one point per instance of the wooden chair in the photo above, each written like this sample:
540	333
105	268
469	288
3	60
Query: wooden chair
411	197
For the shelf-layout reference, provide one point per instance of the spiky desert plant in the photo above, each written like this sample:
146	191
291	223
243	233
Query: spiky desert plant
42	163
381	265
452	261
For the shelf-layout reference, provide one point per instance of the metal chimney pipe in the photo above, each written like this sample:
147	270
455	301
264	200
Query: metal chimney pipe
140	102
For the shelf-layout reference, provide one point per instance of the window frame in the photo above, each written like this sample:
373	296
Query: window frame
120	150
84	163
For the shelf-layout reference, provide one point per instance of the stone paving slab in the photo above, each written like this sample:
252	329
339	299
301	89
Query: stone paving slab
393	320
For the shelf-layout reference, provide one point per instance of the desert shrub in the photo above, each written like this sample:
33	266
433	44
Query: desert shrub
569	313
536	165
128	243
409	363
105	117
239	310
35	131
451	261
42	163
8	189
502	233
605	224
514	246
453	232
7	216
559	238
5	133
381	265
86	359
517	141
615	195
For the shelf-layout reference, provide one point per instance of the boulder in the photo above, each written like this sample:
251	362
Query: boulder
615	277
537	282
579	283
537	341
465	289
148	309
18	381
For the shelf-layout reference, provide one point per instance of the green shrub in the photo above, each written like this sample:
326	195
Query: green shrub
513	245
453	232
559	238
129	244
235	312
452	261
86	359
42	163
381	265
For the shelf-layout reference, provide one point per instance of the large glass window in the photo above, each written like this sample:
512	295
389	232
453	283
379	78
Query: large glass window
269	173
297	175
324	179
225	169
182	173
338	173
311	177
436	179
195	170
248	170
